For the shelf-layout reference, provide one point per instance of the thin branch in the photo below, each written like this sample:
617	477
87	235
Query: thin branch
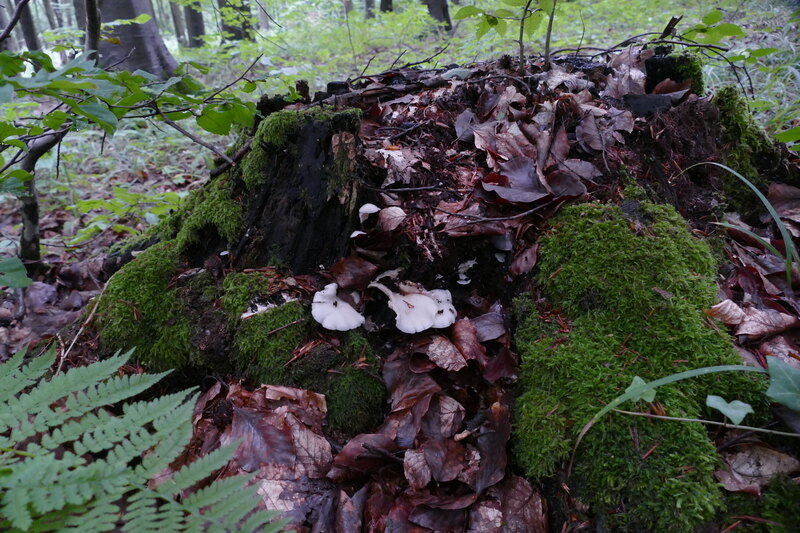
549	34
14	20
521	35
196	139
709	422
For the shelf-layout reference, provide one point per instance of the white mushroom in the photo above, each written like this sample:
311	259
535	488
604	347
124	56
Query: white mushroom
366	210
415	311
445	312
333	312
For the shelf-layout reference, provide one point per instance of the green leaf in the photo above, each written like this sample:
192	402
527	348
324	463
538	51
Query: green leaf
712	18
503	13
100	114
735	410
515	3
789	136
784	383
6	93
214	121
249	86
483	28
546	5
466	12
55	119
639	390
13	273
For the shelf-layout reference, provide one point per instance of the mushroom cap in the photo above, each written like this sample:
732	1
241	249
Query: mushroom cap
445	312
415	312
366	210
333	312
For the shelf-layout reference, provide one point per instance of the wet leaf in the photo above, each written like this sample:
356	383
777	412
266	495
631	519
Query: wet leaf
353	272
759	323
390	218
726	312
752	466
445	354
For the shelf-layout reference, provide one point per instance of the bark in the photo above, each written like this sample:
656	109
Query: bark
91	24
29	240
177	20
386	6
28	28
140	45
195	27
369	8
235	21
439	11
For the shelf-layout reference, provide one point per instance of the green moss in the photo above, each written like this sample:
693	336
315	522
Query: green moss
140	310
264	343
689	66
748	149
215	207
276	131
635	289
241	288
349	380
778	503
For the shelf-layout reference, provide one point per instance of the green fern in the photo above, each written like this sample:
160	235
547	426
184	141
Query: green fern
68	463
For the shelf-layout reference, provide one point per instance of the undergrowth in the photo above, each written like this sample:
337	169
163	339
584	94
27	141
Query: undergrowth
72	459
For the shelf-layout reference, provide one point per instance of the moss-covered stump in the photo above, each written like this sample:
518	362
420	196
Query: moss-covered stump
633	284
291	203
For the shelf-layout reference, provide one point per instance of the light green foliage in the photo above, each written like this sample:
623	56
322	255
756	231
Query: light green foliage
777	504
634	289
210	207
140	309
264	343
68	462
13	274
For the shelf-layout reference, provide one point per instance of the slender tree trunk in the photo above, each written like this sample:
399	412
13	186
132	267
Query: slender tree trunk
138	46
9	44
348	5
28	29
439	11
177	20
160	14
386	6
91	24
236	25
369	8
195	27
80	14
58	11
263	15
51	15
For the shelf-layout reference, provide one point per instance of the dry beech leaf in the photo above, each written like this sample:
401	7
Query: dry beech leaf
760	323
390	218
445	354
727	312
752	466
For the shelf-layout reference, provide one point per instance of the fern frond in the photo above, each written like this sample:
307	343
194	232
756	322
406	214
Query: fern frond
196	471
14	378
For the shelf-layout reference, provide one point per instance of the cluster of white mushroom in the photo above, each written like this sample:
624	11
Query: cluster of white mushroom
416	308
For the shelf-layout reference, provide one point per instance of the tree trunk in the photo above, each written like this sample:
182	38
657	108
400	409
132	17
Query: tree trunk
91	21
28	29
439	11
348	5
235	21
80	13
51	15
177	20
369	8
263	15
140	45
386	6
195	27
9	44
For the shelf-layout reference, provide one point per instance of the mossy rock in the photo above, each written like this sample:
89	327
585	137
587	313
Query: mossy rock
634	284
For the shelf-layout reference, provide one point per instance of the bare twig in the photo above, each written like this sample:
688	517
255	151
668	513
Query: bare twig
709	422
549	34
521	36
236	157
83	326
14	19
196	139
